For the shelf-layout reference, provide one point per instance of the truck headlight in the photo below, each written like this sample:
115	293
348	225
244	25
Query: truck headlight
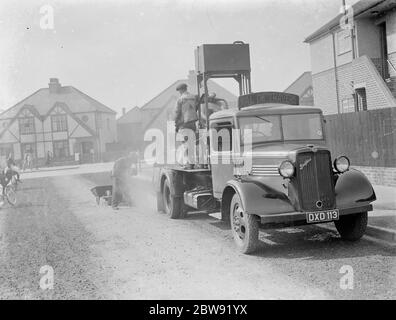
286	169
341	164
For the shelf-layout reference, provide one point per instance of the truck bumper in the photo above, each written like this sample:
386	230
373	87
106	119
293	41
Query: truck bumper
299	218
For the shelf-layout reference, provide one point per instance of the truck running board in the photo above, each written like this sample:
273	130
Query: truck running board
200	198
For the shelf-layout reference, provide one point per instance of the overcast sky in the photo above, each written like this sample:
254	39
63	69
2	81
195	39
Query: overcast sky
122	53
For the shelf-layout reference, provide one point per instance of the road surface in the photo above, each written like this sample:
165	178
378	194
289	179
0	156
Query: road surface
137	253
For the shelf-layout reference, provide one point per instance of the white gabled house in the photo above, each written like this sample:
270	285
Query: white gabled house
61	120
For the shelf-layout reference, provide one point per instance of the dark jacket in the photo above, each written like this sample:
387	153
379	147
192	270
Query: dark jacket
121	168
185	109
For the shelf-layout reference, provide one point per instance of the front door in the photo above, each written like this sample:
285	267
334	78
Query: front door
61	149
86	151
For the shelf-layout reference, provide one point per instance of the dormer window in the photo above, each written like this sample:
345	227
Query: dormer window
59	122
26	125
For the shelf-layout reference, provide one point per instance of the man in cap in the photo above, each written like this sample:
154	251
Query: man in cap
185	119
186	112
120	175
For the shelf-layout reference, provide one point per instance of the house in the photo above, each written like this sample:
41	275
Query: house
160	109
353	64
129	129
58	119
302	87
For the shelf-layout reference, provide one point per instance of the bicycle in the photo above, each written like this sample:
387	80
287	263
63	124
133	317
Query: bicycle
8	194
9	191
14	182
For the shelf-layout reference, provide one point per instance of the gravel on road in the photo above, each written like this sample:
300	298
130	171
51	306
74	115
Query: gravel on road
138	253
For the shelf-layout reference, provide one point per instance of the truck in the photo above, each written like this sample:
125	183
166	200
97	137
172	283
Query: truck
273	170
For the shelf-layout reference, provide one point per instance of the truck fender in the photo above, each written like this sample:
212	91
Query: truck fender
353	189
257	198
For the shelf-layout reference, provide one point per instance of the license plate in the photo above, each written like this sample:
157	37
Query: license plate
322	216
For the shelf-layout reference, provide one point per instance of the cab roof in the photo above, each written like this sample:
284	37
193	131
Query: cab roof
264	109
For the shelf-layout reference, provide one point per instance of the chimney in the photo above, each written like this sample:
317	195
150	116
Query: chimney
123	111
54	85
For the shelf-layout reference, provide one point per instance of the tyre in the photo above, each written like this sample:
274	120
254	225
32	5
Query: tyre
352	227
244	227
160	202
173	206
10	194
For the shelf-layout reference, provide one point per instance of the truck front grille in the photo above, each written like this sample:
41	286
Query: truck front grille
315	181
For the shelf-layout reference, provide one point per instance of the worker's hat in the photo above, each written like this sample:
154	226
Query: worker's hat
181	86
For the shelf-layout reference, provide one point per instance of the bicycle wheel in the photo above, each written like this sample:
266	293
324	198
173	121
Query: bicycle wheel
10	194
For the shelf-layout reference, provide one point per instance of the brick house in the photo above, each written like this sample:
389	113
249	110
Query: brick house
354	82
59	119
354	69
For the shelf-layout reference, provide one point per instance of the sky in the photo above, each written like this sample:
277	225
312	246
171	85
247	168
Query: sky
123	53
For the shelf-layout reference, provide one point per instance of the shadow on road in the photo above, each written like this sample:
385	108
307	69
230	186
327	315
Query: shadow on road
315	243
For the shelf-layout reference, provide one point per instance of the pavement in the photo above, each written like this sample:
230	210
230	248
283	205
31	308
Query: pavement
382	220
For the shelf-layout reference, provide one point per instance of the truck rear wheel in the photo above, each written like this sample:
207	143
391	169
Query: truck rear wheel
173	206
244	227
352	227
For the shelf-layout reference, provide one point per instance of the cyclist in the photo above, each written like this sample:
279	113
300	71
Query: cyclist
12	169
9	194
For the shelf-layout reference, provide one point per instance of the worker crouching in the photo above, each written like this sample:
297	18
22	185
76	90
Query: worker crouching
120	176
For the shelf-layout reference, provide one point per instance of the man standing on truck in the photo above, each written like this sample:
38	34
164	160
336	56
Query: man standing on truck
120	176
186	111
186	117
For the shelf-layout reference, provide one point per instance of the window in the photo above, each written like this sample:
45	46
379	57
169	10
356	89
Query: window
344	41
302	127
5	150
360	99
59	122
287	127
222	136
263	128
61	149
26	125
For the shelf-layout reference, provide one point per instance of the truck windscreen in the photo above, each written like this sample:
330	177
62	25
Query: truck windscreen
294	126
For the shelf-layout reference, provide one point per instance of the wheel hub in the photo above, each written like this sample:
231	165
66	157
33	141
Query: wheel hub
239	224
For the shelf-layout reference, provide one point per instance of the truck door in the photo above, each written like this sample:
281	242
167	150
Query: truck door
221	154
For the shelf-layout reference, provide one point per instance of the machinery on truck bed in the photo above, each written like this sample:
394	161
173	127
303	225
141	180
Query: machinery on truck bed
273	169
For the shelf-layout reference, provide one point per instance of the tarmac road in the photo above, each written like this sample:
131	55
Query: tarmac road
137	253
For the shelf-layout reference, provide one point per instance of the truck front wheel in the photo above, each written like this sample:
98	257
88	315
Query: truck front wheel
352	226
244	227
173	206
